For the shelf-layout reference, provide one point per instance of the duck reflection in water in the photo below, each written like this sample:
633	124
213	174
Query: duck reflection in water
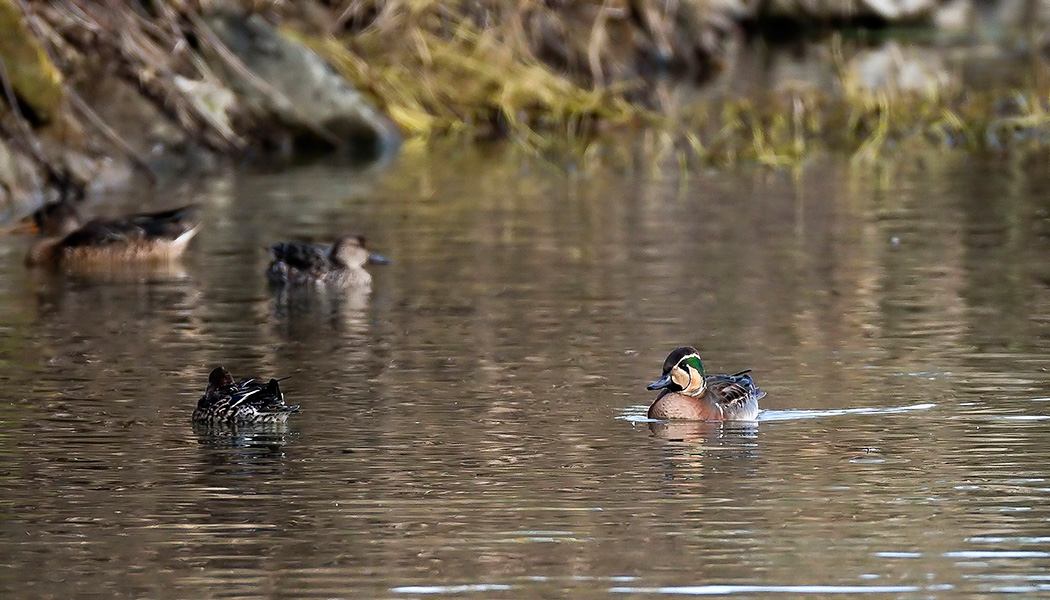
249	450
119	317
314	312
703	431
702	450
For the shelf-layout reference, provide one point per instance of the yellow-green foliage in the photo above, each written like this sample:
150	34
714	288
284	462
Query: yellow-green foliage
436	71
33	77
470	82
784	130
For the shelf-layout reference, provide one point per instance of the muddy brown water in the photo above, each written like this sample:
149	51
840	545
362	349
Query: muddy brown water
476	426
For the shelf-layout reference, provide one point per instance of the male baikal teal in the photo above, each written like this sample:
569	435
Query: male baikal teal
687	392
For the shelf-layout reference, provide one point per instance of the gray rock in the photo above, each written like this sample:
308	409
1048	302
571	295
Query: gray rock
279	79
895	68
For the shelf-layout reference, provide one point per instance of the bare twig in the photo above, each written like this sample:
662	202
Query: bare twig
145	65
93	117
130	153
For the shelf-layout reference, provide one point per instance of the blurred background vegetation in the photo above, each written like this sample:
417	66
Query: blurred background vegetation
95	92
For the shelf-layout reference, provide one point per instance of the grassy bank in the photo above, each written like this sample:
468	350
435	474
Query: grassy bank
486	69
563	79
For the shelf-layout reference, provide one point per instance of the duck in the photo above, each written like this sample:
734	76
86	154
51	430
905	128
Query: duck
226	402
341	264
687	392
65	239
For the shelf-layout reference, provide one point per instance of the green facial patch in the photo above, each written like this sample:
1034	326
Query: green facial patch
694	362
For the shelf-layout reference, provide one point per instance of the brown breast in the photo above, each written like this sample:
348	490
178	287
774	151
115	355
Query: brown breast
681	406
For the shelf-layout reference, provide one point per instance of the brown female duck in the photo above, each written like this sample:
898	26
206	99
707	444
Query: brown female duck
341	264
142	237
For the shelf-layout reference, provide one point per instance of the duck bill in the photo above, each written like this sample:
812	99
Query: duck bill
378	259
26	225
660	383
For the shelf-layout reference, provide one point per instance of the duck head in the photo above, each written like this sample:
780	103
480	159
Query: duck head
350	251
683	372
52	222
56	219
220	377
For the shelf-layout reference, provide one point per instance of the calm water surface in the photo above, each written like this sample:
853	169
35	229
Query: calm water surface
475	427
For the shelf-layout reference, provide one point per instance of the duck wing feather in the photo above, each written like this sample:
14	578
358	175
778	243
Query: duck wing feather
736	388
164	225
300	256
